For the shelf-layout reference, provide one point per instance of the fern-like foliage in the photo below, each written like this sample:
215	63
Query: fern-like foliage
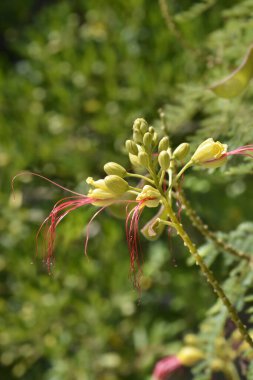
194	110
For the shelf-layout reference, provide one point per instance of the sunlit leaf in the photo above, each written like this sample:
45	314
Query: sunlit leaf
234	84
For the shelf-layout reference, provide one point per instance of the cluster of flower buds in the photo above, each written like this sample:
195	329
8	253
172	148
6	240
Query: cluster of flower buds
145	149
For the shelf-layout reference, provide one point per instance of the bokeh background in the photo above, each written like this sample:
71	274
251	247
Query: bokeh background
74	74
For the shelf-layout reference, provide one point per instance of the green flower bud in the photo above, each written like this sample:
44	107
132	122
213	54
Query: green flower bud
143	159
155	138
137	137
131	147
164	160
151	130
164	144
147	141
134	160
143	126
140	125
116	184
112	168
181	151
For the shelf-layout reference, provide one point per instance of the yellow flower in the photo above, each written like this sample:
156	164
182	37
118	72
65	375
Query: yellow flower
149	196
209	151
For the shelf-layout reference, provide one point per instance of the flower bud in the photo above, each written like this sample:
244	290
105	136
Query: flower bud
209	150
131	147
189	356
99	184
140	125
164	160
112	168
164	144
150	196
137	137
217	365
181	151
134	160
147	141
155	138
143	159
143	126
190	339
151	130
116	184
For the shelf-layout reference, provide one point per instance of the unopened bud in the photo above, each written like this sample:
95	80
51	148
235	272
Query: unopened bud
137	137
112	168
131	147
181	151
116	184
190	339
141	125
164	160
147	141
189	356
151	130
155	138
164	144
217	365
99	184
143	159
134	160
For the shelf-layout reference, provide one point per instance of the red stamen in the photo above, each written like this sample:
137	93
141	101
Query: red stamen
61	209
133	241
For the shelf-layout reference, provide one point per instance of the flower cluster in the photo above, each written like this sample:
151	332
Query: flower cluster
156	182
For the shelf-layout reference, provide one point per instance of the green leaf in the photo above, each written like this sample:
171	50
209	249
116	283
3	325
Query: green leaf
237	82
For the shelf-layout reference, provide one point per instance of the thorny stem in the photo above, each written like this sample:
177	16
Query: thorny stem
209	275
204	230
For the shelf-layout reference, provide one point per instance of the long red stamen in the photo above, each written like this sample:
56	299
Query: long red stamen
47	179
133	241
241	151
61	209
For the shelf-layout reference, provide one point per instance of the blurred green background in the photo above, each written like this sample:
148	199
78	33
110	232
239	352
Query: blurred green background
74	75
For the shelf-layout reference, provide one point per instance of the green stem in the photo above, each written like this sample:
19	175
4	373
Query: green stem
209	275
162	178
136	189
188	165
204	230
141	177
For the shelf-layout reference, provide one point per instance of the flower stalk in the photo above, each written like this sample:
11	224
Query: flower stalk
208	274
